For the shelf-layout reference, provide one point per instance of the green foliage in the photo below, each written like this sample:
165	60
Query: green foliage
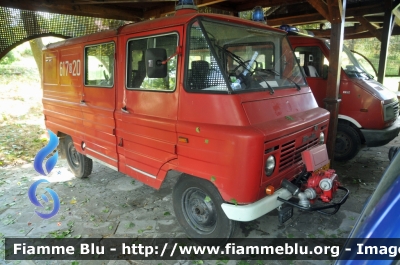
371	49
27	52
245	14
9	58
167	83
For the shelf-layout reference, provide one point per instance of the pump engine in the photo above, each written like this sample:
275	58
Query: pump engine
315	183
324	184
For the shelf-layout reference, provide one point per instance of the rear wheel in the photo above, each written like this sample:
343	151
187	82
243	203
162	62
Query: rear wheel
347	143
197	206
79	164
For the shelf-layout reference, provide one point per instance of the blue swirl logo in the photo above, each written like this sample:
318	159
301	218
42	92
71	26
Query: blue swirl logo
34	200
43	153
49	165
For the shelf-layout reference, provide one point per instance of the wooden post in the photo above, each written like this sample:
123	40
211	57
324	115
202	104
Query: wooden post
386	32
337	12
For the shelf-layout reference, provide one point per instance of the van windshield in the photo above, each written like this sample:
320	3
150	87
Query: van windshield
350	65
232	57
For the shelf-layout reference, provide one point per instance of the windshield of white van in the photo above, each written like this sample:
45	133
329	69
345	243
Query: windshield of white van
233	57
351	66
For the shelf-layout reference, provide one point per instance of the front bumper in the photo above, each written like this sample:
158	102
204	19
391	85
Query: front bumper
375	138
250	212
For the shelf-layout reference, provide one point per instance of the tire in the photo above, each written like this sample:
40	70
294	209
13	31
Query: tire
78	163
197	206
347	143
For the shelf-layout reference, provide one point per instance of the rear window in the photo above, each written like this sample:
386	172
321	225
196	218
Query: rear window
99	65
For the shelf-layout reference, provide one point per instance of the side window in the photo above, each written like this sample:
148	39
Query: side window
136	68
312	60
99	65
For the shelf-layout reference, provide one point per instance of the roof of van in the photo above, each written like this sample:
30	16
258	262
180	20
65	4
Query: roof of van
308	37
181	17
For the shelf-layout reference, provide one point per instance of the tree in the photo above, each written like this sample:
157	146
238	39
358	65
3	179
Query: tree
32	27
36	47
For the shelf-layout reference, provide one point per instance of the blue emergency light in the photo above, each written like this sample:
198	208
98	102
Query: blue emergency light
296	31
258	14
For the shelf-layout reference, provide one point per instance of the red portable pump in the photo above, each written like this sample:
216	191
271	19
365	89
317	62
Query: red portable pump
324	184
321	183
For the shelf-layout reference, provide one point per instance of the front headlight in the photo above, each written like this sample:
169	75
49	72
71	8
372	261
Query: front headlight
390	111
269	165
321	138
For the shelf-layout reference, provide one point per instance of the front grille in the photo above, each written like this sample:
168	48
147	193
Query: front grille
290	154
396	110
391	111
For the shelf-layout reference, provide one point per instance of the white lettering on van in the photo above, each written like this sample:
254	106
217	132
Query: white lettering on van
70	68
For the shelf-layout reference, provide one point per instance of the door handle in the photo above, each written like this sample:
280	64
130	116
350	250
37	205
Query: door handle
83	102
124	110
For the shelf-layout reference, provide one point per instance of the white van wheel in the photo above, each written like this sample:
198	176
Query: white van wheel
347	143
78	163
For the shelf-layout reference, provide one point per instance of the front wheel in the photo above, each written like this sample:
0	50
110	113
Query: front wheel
79	164
197	206
347	143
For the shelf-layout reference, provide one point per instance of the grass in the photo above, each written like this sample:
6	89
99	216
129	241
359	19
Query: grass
22	131
19	143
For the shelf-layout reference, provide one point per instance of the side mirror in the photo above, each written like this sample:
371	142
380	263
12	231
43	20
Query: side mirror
325	69
154	58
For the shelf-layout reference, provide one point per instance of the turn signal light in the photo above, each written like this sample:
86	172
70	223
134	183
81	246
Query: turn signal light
183	139
269	190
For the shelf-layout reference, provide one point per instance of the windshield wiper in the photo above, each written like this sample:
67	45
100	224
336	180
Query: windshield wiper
369	76
235	57
271	90
297	85
272	71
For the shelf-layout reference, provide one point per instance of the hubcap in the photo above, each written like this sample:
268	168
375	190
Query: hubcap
342	144
199	211
73	154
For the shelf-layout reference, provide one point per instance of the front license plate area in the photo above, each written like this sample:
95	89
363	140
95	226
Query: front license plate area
285	212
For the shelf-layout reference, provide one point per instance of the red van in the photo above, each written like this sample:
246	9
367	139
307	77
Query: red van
368	112
219	99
